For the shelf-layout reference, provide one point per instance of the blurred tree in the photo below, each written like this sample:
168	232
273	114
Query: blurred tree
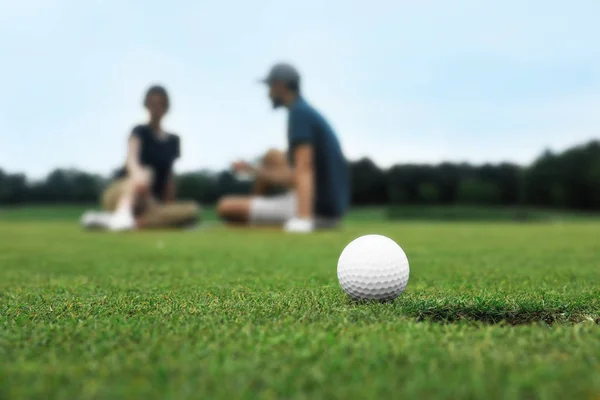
70	186
570	179
403	183
200	186
448	178
429	193
506	177
13	188
477	191
368	183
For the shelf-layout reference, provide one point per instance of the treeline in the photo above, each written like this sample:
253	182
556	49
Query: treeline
570	179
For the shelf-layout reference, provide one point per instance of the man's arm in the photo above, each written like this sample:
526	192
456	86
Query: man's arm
304	180
283	176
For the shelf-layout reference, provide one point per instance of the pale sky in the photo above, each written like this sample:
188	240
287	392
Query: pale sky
400	81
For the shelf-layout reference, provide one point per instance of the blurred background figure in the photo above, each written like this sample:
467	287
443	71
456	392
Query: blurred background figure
315	171
437	122
143	196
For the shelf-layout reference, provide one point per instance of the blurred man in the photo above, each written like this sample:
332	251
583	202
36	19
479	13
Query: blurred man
144	194
315	172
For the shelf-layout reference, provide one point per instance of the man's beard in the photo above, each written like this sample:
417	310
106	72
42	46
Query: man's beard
276	103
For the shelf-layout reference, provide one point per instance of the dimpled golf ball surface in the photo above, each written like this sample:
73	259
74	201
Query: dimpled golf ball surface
373	267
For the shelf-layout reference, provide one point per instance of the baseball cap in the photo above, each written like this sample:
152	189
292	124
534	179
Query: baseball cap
282	72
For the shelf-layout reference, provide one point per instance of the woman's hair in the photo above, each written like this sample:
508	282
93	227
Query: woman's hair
158	90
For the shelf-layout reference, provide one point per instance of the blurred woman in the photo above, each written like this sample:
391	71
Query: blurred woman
143	196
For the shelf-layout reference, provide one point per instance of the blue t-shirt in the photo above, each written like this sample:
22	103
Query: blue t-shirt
332	187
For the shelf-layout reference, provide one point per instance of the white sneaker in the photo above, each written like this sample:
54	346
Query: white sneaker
87	218
106	221
95	220
299	225
121	221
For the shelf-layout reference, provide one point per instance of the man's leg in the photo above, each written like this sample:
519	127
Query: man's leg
322	223
237	209
258	210
174	215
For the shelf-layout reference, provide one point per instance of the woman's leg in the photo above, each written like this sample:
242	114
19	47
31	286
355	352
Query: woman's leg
122	201
116	195
125	196
112	195
174	215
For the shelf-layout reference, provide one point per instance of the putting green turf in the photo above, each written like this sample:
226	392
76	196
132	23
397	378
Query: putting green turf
491	311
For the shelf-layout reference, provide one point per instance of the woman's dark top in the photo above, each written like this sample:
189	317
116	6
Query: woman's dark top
157	154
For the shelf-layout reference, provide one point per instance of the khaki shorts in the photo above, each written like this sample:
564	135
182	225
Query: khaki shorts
273	210
113	193
149	211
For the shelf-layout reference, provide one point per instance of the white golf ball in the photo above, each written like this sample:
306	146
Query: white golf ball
373	267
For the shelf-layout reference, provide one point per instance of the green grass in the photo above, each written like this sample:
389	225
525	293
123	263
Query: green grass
494	311
484	214
41	213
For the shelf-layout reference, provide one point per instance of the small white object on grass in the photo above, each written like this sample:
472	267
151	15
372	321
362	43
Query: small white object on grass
119	221
95	220
299	225
373	267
